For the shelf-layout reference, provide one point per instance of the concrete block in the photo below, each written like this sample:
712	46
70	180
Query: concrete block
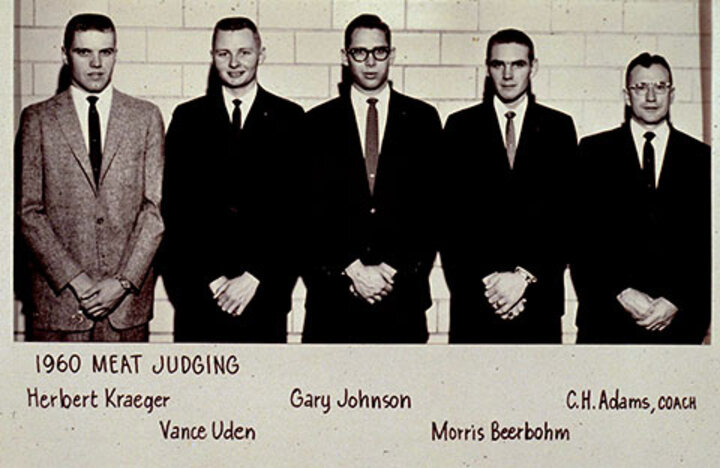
23	78
147	12
587	16
559	49
295	81
528	15
688	117
279	47
39	45
680	51
616	50
163	317
294	14
149	80
391	11
417	48
25	13
599	116
131	45
661	17
179	46
463	48
318	47
194	79
45	78
204	14
686	83
440	82
54	13
436	15
585	83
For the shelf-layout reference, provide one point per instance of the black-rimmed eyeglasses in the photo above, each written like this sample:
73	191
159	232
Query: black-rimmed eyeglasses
360	54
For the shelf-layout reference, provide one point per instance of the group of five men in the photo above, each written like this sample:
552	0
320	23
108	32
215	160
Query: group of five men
357	196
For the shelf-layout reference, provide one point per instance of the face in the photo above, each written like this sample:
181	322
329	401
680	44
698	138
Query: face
649	107
510	68
371	74
236	56
91	59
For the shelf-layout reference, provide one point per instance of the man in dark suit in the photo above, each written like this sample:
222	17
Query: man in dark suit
507	173
91	162
642	267
228	260
371	246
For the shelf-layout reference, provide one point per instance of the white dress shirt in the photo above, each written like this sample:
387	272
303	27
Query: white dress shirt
659	143
360	106
245	104
82	107
501	109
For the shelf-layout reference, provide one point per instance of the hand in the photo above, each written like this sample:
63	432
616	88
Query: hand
504	290
81	284
235	294
637	303
661	314
100	300
372	283
515	311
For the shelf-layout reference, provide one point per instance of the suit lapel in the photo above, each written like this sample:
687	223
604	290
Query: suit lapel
670	159
258	112
488	119
117	130
67	118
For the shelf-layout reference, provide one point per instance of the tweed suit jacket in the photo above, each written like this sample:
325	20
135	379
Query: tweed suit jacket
71	225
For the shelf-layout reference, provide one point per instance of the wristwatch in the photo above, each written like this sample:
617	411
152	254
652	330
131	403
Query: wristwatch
527	276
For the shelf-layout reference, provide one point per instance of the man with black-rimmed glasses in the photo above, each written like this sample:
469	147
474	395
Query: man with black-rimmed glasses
371	244
642	266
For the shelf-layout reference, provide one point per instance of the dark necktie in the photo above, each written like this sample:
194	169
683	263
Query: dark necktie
236	120
95	145
510	137
649	161
371	142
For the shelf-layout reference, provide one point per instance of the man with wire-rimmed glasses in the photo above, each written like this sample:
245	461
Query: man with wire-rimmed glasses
642	268
371	245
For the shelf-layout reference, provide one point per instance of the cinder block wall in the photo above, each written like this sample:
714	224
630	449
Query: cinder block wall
583	47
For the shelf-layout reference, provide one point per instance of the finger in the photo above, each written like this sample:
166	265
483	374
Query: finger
386	275
489	278
222	288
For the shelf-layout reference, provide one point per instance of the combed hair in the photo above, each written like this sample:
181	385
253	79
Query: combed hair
367	21
86	22
236	23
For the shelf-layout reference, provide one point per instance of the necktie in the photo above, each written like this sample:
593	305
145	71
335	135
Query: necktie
649	161
371	142
94	135
510	137
236	121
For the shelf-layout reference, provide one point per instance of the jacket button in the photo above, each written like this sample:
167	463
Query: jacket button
100	220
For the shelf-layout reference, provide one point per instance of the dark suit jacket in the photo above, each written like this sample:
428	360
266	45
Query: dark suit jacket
394	225
230	207
658	243
498	219
71	225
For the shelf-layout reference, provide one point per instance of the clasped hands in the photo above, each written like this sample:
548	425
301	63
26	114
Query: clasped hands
651	314
97	298
233	295
371	282
504	291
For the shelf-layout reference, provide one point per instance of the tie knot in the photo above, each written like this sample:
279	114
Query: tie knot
372	101
509	115
92	100
649	136
237	102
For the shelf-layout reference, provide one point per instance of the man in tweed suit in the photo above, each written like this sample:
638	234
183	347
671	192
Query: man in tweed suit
89	194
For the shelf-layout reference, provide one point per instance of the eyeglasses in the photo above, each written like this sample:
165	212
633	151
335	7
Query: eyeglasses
360	54
659	87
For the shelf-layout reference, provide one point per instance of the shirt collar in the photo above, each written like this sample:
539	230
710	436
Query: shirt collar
247	100
501	108
360	99
638	132
80	95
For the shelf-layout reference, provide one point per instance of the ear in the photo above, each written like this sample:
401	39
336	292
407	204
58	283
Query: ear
64	56
626	96
263	54
534	67
344	57
391	59
671	97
